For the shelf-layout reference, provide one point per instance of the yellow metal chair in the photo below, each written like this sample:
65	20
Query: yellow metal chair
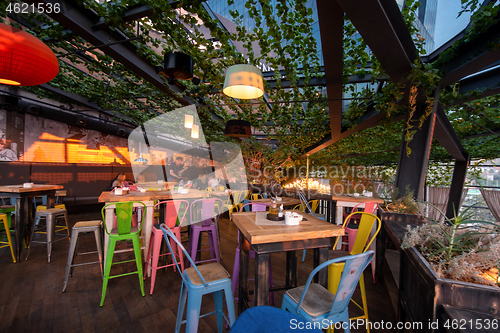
361	244
220	188
238	197
256	196
5	220
313	203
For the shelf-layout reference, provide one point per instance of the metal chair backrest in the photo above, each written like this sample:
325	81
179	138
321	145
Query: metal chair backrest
239	196
305	204
256	196
123	211
208	211
167	233
354	267
361	243
255	206
175	211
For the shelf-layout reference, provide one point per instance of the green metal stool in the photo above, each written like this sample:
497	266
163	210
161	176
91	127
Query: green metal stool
124	231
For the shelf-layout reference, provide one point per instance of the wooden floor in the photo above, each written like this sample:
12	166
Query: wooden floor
31	298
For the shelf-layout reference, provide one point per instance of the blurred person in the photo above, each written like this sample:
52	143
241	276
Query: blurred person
177	168
119	181
5	153
201	182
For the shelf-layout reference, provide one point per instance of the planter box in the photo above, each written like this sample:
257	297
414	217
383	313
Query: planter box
404	218
422	294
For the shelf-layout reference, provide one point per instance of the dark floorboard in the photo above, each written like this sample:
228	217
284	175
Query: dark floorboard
31	298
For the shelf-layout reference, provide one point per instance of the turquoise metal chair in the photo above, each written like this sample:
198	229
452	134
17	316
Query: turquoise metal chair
205	279
124	231
316	304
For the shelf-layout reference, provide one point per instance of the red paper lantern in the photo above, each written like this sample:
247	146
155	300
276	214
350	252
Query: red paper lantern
24	59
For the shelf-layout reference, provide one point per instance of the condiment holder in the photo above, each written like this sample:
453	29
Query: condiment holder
118	191
28	185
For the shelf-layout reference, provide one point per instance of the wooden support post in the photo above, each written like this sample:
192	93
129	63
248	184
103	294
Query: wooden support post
412	169
457	185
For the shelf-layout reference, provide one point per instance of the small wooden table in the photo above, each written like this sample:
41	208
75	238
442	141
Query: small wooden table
351	201
23	197
148	199
265	239
285	201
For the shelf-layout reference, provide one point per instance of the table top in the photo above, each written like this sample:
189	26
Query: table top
260	234
360	199
151	195
35	188
285	201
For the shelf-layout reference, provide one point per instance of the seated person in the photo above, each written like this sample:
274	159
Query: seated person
141	178
201	182
119	181
176	169
213	182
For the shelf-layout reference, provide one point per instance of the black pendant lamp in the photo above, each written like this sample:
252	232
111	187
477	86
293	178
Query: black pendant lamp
178	65
238	128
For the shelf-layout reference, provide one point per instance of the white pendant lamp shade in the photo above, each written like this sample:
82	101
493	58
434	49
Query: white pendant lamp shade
243	82
195	132
188	121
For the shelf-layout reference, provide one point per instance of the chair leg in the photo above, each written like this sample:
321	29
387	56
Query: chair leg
31	237
6	223
97	234
236	272
180	309
193	312
303	255
74	254
211	245
51	224
363	300
156	257
194	245
137	251
179	250
107	267
218	310
148	256
215	244
230	305
71	256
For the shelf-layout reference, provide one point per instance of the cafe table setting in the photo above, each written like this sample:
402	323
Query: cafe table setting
266	236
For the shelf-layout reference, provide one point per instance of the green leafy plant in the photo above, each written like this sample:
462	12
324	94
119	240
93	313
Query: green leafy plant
458	248
403	204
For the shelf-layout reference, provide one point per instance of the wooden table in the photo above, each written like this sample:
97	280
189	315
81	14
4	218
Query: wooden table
265	239
23	197
148	199
285	201
351	201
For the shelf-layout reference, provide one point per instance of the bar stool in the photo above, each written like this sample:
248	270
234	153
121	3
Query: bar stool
5	218
50	216
78	228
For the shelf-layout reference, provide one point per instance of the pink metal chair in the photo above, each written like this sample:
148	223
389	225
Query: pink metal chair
350	233
175	210
209	217
256	207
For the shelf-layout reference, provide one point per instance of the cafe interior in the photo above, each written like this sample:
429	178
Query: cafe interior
249	166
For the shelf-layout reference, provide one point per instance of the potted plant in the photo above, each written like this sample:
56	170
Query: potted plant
453	263
404	209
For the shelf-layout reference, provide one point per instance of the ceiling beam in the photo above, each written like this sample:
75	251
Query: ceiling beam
331	23
473	56
447	137
75	19
382	27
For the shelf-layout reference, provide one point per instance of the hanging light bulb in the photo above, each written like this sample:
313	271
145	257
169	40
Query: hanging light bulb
195	131
188	121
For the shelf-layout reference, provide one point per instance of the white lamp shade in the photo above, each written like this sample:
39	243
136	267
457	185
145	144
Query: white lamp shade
243	82
195	132
188	121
